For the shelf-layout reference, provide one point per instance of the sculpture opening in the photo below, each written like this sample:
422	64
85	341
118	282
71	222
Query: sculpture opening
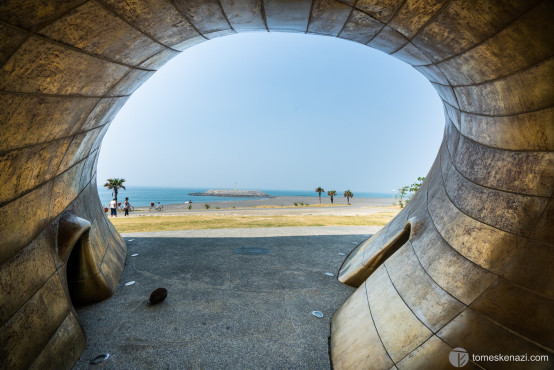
483	252
225	110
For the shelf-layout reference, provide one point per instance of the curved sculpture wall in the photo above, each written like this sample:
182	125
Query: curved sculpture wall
468	263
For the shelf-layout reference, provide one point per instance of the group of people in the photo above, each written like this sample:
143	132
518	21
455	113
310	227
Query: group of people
113	207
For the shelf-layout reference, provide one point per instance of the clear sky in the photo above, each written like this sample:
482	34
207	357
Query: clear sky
277	111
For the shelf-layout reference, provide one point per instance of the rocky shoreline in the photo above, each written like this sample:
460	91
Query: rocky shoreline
233	193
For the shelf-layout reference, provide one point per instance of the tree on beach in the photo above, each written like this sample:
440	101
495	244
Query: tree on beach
348	194
402	192
115	185
331	193
319	190
416	185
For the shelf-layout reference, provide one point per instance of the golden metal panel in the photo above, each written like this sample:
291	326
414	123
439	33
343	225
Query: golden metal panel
112	264
128	84
399	329
158	18
522	43
453	114
511	95
154	62
461	25
352	271
104	112
447	94
520	310
370	254
511	212
360	27
411	55
112	37
382	10
82	74
481	336
287	15
446	266
515	258
355	343
396	226
89	169
433	74
24	336
19	172
543	228
69	339
388	40
188	43
65	189
26	221
206	15
12	39
58	117
328	17
494	167
32	14
17	285
429	302
529	131
244	15
414	14
79	148
433	354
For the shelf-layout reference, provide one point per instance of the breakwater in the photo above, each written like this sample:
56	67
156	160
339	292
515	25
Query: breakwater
232	193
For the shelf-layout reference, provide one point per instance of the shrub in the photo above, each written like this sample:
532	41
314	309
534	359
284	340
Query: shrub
190	206
207	206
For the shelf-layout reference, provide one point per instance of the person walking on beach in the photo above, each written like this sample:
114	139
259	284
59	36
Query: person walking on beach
113	207
127	206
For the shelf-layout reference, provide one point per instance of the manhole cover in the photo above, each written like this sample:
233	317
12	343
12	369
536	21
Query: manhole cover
251	250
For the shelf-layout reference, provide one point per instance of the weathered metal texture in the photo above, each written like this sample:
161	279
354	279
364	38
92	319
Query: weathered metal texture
467	264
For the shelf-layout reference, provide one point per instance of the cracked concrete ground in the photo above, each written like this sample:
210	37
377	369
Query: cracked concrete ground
223	310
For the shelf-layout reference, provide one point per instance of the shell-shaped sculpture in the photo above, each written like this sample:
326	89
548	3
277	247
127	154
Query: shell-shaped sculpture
467	264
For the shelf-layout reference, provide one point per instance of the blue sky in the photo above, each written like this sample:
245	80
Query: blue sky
277	111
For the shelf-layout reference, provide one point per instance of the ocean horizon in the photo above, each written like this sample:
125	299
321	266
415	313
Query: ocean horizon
142	196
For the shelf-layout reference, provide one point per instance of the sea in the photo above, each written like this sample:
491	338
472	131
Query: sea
142	196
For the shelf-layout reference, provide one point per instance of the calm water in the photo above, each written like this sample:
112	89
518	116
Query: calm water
141	196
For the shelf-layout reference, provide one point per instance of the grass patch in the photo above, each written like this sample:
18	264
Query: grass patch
195	222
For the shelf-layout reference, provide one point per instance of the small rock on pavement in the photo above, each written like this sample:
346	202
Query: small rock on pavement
158	295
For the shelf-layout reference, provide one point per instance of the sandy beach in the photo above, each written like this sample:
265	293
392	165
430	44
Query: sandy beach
274	206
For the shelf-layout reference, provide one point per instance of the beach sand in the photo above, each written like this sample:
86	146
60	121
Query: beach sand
275	206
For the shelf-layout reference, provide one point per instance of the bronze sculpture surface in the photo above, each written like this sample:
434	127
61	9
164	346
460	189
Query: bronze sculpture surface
473	250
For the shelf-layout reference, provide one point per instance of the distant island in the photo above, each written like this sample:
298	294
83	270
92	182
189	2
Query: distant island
233	193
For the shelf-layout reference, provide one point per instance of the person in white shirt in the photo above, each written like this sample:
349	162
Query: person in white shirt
113	207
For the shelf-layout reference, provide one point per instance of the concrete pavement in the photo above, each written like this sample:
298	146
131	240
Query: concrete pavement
224	309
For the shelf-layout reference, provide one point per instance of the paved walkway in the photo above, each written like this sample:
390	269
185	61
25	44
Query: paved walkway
224	309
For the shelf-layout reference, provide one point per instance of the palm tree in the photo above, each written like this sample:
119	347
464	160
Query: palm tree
115	185
348	194
319	190
332	193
